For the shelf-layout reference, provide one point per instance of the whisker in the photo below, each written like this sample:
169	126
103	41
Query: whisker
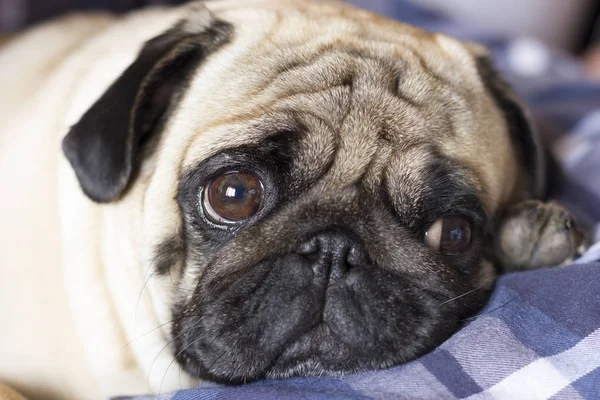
176	288
153	329
164	347
179	377
198	372
171	278
491	311
137	303
461	295
147	333
216	360
174	359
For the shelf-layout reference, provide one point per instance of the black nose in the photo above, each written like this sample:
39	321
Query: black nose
333	251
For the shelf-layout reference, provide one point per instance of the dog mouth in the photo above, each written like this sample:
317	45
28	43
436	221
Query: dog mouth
303	324
318	352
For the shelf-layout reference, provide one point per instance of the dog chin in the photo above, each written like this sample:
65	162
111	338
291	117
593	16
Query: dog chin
293	362
296	362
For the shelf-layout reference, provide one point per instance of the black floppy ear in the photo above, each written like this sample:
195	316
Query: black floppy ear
530	152
103	145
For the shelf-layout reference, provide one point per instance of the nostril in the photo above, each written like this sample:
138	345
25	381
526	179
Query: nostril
335	251
309	248
354	256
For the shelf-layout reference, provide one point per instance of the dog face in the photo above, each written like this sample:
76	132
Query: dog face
319	184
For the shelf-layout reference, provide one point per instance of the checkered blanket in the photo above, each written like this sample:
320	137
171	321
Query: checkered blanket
539	336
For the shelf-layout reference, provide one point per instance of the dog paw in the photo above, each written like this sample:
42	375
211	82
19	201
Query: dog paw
534	234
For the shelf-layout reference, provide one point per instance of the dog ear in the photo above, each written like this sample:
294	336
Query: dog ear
529	149
103	145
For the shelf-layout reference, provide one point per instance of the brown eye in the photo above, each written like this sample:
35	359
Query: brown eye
450	235
232	197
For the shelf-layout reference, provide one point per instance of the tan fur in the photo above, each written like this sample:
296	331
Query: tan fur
120	309
7	393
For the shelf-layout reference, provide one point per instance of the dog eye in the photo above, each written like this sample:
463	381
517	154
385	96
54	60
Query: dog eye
449	235
232	197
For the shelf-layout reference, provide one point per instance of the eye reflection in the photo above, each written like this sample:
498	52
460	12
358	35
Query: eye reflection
232	197
449	235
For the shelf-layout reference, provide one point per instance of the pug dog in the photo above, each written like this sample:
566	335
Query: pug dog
257	189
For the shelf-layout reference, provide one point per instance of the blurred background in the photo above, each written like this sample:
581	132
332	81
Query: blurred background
566	24
569	25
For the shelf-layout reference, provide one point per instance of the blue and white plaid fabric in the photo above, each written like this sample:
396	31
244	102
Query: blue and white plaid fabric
539	336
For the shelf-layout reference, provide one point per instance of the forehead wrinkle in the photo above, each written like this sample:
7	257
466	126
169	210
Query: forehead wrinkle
357	146
329	105
371	108
404	122
367	115
373	76
405	176
416	60
329	70
288	64
315	151
334	63
426	89
373	178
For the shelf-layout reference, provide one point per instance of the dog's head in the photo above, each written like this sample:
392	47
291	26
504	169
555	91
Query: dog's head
318	183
